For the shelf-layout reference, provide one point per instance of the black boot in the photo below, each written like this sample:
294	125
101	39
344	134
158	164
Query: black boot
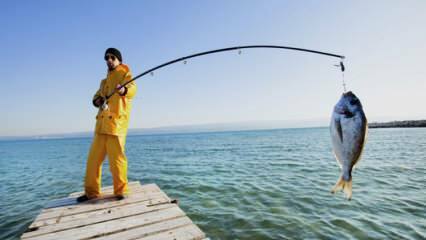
82	198
120	197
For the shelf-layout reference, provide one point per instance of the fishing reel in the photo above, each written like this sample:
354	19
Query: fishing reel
104	105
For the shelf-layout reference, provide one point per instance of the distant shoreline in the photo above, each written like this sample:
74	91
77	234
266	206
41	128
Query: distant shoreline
144	132
399	124
208	128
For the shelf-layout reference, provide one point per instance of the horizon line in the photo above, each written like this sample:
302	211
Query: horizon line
194	128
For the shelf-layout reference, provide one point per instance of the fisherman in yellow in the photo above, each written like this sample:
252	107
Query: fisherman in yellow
111	129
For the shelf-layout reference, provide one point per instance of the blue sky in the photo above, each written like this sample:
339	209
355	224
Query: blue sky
52	60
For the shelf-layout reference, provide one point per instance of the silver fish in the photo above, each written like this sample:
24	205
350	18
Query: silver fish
348	130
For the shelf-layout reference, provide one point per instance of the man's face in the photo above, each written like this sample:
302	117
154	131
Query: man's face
111	61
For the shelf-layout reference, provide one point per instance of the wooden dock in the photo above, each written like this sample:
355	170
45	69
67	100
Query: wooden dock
148	214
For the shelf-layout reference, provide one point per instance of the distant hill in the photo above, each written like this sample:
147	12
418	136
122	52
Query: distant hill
399	124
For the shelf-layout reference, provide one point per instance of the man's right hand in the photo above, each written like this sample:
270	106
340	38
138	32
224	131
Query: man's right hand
98	102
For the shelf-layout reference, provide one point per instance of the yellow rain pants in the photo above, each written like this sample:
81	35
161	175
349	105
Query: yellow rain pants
113	146
110	134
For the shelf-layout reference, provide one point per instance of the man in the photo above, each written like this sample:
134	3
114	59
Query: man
111	129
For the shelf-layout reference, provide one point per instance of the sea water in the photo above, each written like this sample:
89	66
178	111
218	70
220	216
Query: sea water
264	184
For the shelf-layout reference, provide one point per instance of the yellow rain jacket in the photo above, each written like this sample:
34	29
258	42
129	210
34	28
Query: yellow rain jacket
110	134
115	120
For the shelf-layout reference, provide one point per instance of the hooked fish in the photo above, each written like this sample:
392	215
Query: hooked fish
348	130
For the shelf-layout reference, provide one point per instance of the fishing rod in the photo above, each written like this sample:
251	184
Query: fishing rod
342	67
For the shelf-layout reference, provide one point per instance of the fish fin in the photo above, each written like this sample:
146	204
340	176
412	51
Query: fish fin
339	129
346	186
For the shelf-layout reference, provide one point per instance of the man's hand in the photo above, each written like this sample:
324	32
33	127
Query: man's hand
99	101
121	90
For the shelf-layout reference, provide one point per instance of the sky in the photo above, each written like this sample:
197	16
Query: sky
52	60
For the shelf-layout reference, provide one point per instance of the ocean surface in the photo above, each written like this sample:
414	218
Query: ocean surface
266	184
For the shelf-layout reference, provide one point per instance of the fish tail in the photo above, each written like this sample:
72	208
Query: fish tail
344	185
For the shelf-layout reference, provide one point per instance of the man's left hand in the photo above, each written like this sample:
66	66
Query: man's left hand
121	90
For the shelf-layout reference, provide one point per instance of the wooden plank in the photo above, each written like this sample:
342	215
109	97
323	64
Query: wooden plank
152	189
151	229
107	189
146	214
74	217
66	202
53	205
188	232
147	200
110	189
85	219
103	203
110	227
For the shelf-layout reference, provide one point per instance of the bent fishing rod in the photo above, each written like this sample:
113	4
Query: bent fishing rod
342	67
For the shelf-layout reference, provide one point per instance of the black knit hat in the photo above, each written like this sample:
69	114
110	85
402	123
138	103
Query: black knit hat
115	52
